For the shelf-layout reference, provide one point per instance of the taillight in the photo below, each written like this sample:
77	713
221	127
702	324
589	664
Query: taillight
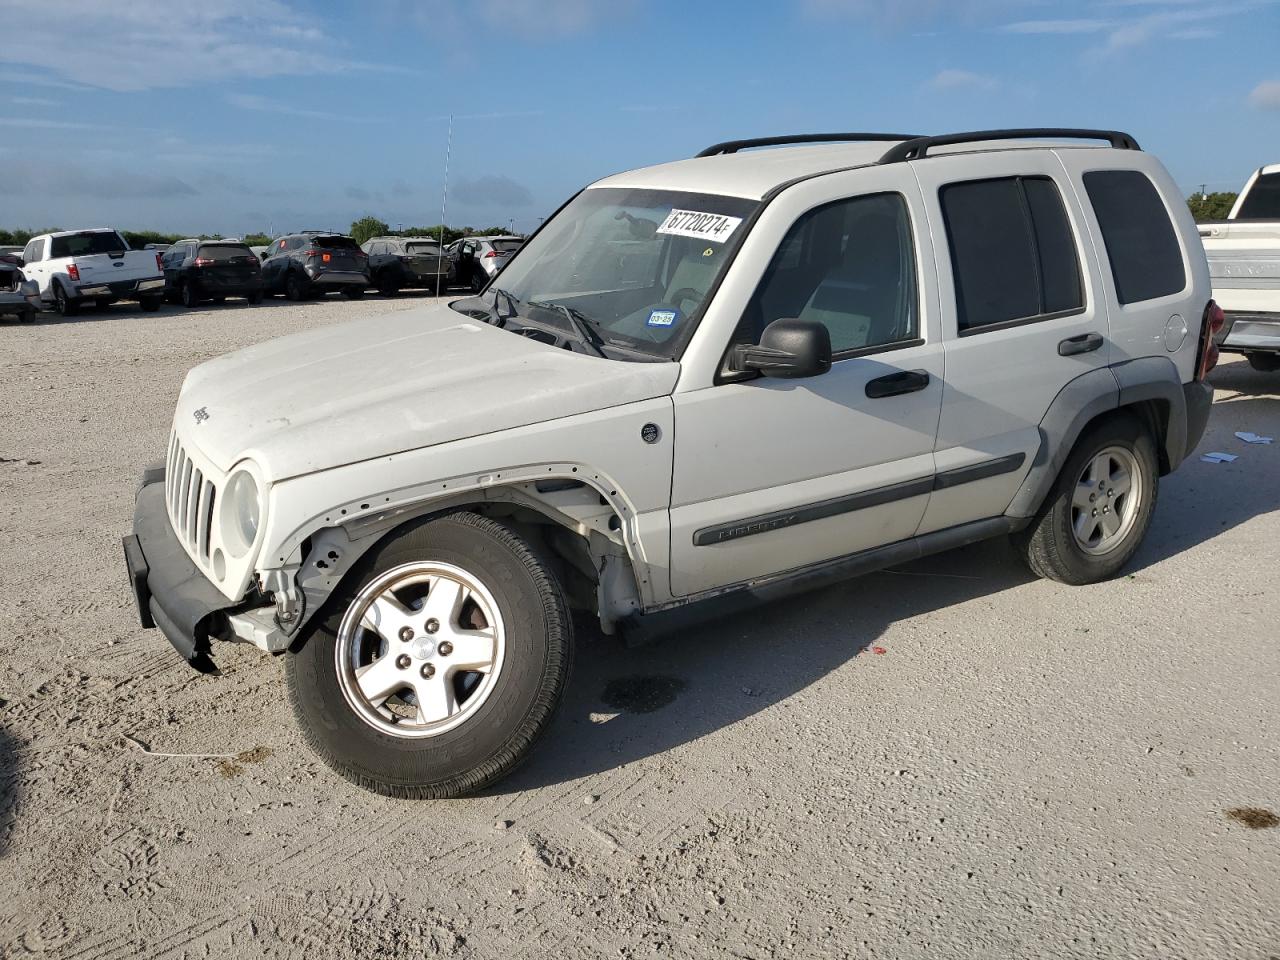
324	257
492	253
159	263
73	272
1211	325
202	262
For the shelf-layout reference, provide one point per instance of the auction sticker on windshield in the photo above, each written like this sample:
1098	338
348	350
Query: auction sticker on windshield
700	226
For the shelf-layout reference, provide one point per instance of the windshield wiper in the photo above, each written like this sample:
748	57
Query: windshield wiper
580	322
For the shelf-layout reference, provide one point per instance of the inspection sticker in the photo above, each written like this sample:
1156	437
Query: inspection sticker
663	318
700	226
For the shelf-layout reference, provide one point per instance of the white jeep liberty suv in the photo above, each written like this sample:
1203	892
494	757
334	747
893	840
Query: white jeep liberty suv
749	372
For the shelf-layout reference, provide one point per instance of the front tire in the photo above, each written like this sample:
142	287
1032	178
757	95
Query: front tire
1099	510
1266	362
437	663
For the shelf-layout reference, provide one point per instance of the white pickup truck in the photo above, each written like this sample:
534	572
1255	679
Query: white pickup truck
1244	264
74	267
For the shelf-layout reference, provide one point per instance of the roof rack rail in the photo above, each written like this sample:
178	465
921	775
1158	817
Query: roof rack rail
733	146
919	148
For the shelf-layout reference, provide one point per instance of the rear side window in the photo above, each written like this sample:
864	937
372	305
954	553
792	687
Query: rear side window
1262	202
1142	246
1012	252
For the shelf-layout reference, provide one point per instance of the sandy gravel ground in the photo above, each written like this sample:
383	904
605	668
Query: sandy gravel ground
944	760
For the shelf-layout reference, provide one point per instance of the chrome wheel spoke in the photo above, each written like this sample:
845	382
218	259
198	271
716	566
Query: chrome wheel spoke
435	698
444	601
1085	527
472	650
1120	484
1083	496
380	679
387	616
1110	524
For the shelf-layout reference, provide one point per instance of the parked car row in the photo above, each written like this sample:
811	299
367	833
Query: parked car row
78	267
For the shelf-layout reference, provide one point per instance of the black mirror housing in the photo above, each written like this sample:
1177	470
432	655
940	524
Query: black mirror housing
789	348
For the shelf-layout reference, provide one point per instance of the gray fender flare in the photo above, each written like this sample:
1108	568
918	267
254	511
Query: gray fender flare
1083	400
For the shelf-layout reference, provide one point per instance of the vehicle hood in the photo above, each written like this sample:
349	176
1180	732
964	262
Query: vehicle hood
396	382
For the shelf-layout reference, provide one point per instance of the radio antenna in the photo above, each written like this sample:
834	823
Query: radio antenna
444	200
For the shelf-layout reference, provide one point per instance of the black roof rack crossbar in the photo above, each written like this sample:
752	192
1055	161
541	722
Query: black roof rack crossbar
733	146
919	148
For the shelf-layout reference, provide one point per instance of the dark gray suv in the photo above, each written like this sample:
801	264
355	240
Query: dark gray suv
311	264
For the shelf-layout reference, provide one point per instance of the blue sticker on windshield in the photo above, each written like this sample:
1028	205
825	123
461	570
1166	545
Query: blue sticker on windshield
663	318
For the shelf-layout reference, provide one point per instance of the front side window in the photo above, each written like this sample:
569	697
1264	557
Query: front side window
1262	202
848	265
1013	253
635	265
1146	261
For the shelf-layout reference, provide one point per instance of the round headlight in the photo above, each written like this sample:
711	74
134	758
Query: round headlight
241	511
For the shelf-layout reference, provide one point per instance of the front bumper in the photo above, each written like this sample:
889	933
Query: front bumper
170	591
124	289
1249	332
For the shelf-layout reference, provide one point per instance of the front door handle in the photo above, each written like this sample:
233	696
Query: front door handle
1085	343
896	384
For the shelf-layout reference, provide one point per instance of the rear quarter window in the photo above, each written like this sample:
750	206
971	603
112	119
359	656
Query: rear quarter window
1142	244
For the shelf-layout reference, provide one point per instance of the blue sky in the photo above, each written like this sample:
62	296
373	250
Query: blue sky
244	115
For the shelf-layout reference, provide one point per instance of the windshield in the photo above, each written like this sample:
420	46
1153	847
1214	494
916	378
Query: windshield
87	244
429	249
1263	200
635	265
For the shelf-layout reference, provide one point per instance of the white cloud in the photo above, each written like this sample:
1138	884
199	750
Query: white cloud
34	101
963	80
530	19
903	12
1056	26
1266	96
251	101
144	44
76	180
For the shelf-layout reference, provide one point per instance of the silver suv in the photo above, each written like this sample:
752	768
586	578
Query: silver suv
716	379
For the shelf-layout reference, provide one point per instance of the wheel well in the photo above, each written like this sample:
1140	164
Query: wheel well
1154	415
575	529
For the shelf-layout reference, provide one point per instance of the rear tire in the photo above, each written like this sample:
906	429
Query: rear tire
353	293
388	287
293	289
1266	362
65	305
254	298
187	294
1098	511
150	304
478	281
413	742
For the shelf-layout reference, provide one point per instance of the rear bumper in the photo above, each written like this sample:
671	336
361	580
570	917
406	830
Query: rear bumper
338	278
233	288
122	289
1248	332
170	591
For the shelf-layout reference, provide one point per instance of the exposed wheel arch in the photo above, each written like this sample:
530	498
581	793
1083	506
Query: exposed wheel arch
580	523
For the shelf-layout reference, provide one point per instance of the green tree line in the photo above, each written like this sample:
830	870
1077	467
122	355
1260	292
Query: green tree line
1212	206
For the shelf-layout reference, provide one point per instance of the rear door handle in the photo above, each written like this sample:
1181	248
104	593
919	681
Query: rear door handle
896	384
1085	343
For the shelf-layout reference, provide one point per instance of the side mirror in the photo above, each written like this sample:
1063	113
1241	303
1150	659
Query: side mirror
788	348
